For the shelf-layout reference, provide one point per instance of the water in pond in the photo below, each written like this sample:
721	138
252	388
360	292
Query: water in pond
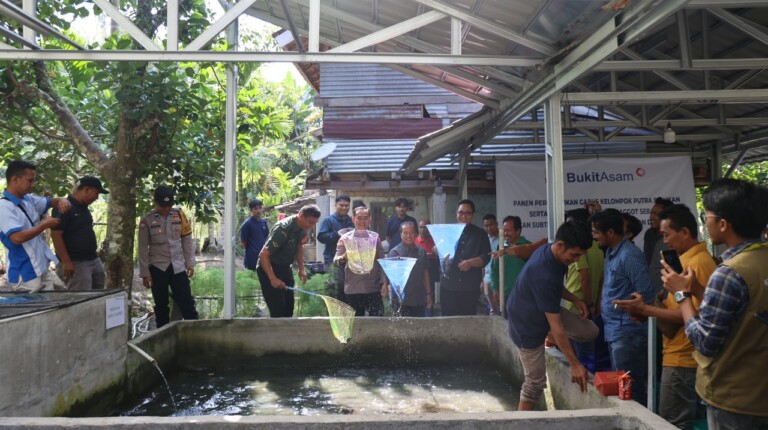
330	391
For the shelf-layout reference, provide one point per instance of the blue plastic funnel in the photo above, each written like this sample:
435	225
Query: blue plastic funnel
446	237
398	269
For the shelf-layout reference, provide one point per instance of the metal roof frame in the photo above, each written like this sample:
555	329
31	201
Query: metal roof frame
513	63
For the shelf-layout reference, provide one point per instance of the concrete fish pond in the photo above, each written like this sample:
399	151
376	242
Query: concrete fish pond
459	372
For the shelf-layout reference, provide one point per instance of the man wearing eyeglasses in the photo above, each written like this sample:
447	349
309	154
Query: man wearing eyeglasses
727	332
460	287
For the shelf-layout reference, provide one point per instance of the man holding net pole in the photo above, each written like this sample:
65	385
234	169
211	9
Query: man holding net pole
283	247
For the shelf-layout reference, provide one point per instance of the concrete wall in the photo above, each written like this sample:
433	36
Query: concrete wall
308	342
52	362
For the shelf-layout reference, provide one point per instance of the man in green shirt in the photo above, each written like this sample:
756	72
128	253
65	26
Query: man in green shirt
512	229
284	245
586	275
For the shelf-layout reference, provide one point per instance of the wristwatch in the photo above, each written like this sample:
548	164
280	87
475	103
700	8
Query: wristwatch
682	295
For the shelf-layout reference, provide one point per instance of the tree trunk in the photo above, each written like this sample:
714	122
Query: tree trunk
121	227
121	231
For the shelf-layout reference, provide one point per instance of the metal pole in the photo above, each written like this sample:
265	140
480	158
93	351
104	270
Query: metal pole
553	147
230	156
653	377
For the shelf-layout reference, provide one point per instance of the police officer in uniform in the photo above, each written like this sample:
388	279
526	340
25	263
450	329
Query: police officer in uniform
167	256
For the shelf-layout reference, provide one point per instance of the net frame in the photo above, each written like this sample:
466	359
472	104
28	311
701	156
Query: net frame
361	246
398	283
341	316
446	238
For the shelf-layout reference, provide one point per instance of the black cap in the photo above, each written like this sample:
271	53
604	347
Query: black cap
164	196
90	181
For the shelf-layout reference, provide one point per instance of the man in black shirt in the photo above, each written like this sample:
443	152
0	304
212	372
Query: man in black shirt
460	287
75	241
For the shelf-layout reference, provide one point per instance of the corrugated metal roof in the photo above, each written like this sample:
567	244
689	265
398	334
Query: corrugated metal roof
372	80
374	156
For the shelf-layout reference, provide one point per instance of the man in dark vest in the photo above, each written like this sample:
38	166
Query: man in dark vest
730	330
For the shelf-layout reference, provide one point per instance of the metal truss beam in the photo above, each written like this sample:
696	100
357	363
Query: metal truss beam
750	28
698	137
289	57
292	26
434	81
735	4
220	25
701	64
692	122
30	22
126	24
500	89
662	97
490	26
391	32
18	39
605	40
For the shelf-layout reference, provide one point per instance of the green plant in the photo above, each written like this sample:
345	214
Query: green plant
208	289
311	306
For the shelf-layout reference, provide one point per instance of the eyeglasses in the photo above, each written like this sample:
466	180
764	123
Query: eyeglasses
464	213
703	216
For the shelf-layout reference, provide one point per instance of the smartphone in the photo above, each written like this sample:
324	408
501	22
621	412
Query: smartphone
670	257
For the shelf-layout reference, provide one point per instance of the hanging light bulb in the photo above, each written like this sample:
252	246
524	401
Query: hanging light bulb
669	134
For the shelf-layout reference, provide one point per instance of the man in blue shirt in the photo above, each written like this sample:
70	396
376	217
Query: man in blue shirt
625	273
253	234
402	206
21	225
534	310
328	234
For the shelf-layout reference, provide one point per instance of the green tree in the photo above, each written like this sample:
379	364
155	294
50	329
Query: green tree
135	124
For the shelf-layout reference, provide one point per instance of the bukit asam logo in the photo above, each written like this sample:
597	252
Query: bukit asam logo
603	176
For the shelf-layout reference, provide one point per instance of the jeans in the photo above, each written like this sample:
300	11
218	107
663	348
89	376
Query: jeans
718	419
630	353
678	401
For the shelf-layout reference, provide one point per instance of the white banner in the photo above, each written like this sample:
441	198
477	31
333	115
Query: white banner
627	184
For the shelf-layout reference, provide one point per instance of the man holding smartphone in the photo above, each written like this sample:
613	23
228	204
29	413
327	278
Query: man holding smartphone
625	273
729	340
678	403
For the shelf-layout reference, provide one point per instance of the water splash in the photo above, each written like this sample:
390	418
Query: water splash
398	270
157	366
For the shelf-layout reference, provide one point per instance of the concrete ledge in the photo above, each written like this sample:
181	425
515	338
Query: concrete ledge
604	419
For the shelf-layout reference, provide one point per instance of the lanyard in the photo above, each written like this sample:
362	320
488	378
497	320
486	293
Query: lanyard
20	206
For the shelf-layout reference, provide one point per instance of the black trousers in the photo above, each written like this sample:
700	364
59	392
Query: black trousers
279	301
459	302
412	311
182	294
371	302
